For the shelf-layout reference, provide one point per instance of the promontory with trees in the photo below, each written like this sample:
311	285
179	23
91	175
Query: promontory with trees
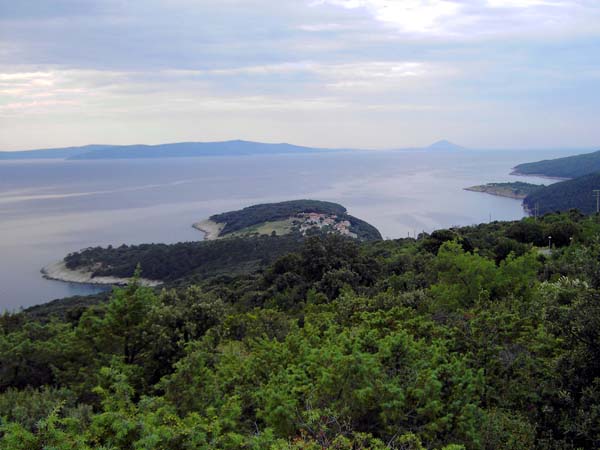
580	175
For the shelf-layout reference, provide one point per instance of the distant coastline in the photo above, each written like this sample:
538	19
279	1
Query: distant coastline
60	272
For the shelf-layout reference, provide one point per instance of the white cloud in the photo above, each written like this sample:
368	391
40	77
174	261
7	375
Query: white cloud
316	85
281	70
469	18
525	3
319	27
408	15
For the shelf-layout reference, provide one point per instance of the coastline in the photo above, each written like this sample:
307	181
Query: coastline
58	271
497	194
210	229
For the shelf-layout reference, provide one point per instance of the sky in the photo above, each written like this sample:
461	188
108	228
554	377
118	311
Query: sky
327	73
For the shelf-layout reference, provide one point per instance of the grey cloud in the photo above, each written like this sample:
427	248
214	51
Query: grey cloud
284	69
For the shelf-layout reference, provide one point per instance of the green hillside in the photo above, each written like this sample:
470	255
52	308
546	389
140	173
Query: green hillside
171	262
566	195
472	338
567	167
252	216
515	189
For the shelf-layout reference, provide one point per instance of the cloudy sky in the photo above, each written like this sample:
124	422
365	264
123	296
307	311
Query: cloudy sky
336	73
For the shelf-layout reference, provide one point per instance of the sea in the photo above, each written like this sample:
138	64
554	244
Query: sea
49	208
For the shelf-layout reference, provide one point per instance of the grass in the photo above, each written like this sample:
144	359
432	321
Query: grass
280	227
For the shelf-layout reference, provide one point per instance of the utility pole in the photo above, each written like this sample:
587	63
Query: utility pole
597	194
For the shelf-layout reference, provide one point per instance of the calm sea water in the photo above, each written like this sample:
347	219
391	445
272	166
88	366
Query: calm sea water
51	208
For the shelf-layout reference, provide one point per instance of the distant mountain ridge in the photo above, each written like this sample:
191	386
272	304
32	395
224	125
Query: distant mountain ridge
445	145
174	150
186	150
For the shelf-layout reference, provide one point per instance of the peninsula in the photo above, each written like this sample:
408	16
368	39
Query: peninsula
236	242
296	216
517	190
61	272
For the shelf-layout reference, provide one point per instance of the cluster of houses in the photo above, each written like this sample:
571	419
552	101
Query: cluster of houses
307	221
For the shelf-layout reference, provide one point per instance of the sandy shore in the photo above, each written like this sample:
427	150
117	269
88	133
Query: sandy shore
210	229
59	271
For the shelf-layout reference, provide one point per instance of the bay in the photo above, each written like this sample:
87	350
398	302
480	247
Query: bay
50	208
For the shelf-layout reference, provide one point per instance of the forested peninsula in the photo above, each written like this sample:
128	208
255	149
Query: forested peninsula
516	190
578	189
237	242
294	216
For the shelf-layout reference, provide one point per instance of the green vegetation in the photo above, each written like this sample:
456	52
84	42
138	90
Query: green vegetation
256	236
568	167
271	212
278	227
468	338
249	218
566	195
172	262
516	189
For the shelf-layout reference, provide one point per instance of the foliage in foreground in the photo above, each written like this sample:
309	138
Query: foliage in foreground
464	339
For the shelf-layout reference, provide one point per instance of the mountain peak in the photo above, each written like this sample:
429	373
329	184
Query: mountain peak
444	145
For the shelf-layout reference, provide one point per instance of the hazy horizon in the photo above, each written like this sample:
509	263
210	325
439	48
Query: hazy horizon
396	148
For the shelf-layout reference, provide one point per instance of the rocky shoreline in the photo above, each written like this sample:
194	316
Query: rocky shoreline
210	229
60	272
498	193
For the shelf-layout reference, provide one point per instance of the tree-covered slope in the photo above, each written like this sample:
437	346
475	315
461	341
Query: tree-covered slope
566	195
236	221
468	338
567	167
170	262
515	189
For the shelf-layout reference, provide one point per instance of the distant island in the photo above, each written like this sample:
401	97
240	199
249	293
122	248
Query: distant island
562	168
445	145
175	150
516	190
295	216
186	150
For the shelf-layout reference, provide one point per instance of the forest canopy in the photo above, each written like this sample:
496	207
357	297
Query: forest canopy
468	338
235	221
